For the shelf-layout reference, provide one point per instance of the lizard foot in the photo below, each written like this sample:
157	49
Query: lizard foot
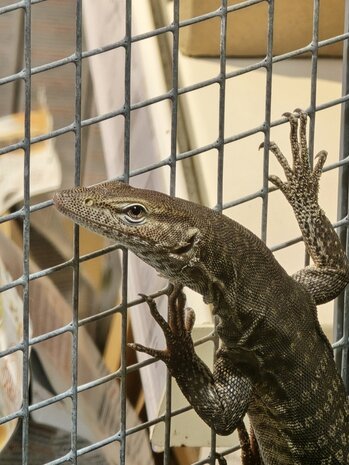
302	186
177	331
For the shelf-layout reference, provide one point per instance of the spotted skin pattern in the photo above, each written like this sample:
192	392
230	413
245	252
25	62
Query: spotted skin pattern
274	363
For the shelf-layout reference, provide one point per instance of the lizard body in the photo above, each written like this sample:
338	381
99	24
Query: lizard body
275	363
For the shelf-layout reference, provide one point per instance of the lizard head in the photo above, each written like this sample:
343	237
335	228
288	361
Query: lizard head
161	230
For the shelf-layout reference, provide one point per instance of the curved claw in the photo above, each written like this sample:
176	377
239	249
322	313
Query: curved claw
298	111
321	159
291	116
322	154
271	145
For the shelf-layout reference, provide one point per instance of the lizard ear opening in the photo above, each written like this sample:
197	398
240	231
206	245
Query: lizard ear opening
88	202
186	246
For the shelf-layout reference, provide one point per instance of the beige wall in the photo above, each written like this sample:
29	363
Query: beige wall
243	165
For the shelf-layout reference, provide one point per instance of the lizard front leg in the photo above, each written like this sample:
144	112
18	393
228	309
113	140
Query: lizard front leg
330	272
220	398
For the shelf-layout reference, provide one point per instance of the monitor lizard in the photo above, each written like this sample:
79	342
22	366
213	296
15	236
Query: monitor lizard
274	363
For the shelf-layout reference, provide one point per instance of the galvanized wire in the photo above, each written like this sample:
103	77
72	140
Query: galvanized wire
76	239
26	231
78	57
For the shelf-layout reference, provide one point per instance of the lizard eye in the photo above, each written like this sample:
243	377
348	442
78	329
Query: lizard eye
135	213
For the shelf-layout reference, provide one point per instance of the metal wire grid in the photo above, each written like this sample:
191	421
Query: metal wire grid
342	325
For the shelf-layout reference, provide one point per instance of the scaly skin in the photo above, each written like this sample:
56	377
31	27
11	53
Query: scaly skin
275	364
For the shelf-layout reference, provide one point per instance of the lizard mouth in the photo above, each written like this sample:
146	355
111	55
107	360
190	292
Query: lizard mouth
186	247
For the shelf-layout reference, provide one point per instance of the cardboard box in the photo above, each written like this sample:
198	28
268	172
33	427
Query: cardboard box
248	27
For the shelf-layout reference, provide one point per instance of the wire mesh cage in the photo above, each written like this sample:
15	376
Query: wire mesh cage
60	70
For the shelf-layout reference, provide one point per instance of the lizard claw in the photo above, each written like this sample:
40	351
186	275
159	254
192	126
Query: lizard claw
321	159
322	154
298	111
263	144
